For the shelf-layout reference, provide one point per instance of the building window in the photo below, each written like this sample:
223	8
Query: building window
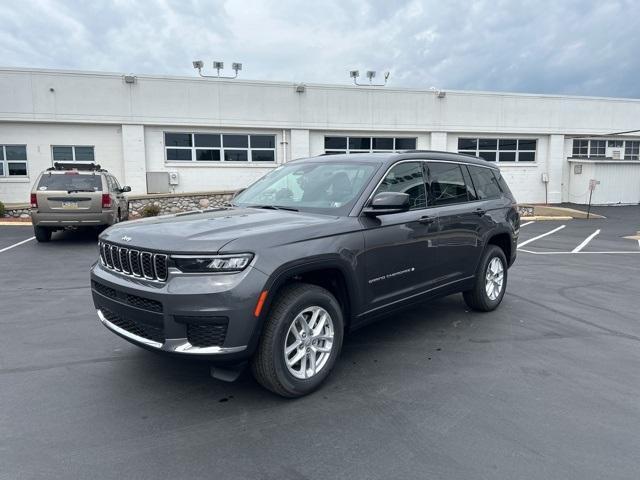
631	150
507	150
72	153
597	148
336	145
13	161
217	147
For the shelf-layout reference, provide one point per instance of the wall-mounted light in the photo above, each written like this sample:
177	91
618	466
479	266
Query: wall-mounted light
301	88
217	65
371	74
439	93
130	79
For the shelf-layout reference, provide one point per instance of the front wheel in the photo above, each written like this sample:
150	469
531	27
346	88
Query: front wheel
490	282
43	234
300	342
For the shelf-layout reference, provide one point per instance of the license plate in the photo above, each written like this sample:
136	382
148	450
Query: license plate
69	204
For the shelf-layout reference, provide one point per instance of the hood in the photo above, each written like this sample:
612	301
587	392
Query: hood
209	231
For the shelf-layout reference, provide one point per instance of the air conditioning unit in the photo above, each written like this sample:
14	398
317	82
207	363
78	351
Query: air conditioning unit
174	178
616	153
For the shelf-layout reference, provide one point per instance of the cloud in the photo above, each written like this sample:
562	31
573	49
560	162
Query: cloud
580	47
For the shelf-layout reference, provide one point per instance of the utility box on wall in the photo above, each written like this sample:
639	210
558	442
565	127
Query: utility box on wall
158	182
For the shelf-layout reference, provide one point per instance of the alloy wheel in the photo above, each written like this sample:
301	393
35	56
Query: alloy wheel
308	343
494	278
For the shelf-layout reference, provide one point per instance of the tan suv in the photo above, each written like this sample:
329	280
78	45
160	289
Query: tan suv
76	194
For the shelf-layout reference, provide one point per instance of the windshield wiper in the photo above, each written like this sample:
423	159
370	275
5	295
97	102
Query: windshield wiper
274	207
79	190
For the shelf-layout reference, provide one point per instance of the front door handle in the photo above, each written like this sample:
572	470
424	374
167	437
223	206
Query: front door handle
480	211
427	219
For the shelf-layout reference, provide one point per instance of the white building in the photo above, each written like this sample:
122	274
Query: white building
223	134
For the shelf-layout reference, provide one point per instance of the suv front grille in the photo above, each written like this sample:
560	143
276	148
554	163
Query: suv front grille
133	300
140	329
137	263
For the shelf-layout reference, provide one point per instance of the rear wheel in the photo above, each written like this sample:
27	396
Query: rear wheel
43	234
300	342
490	282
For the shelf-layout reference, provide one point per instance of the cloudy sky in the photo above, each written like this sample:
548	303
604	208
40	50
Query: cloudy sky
582	47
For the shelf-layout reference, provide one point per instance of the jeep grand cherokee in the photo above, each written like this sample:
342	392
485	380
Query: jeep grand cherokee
316	248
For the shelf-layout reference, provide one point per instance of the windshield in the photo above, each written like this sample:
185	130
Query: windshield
70	181
330	187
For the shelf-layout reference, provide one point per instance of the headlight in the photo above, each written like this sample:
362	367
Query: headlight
214	263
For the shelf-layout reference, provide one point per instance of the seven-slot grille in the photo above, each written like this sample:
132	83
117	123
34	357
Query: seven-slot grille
152	266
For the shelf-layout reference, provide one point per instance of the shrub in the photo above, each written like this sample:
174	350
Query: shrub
1	209
150	210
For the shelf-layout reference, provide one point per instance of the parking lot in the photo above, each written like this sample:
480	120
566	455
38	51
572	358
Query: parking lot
547	386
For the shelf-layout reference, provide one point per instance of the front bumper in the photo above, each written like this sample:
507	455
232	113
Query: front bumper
191	315
72	219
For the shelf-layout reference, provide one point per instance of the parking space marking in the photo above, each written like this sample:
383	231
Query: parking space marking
608	252
540	236
585	242
526	223
16	244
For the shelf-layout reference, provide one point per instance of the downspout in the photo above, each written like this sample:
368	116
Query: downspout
284	146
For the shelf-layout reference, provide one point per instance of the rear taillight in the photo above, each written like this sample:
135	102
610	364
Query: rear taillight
34	200
106	200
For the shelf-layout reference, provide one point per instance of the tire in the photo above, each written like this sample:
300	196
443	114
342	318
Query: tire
269	365
482	297
43	234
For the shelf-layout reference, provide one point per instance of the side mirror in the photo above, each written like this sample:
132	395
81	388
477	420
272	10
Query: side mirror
388	202
125	189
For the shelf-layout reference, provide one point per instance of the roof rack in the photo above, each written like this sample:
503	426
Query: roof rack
83	166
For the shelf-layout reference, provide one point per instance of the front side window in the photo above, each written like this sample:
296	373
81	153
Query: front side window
485	182
72	153
336	145
13	161
406	177
329	187
507	150
446	184
217	147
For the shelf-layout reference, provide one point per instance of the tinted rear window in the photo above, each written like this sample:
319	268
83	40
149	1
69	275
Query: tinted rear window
91	183
485	182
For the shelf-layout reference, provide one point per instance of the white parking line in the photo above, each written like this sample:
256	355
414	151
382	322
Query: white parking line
585	242
609	252
526	223
540	236
16	244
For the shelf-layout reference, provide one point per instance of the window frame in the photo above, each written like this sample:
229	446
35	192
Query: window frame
73	153
221	149
4	161
497	150
348	150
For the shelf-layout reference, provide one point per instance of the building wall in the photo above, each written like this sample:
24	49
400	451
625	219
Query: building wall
39	137
126	122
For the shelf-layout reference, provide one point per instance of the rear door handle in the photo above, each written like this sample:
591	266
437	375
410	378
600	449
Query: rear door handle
480	211
427	219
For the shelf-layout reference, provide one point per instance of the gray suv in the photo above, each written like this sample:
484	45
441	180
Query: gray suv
76	194
313	250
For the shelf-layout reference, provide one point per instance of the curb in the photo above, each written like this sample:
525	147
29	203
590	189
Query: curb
20	224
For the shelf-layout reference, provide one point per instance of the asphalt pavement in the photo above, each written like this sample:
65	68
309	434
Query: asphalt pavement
547	386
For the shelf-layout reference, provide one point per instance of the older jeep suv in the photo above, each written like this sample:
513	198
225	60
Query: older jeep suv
314	249
75	194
